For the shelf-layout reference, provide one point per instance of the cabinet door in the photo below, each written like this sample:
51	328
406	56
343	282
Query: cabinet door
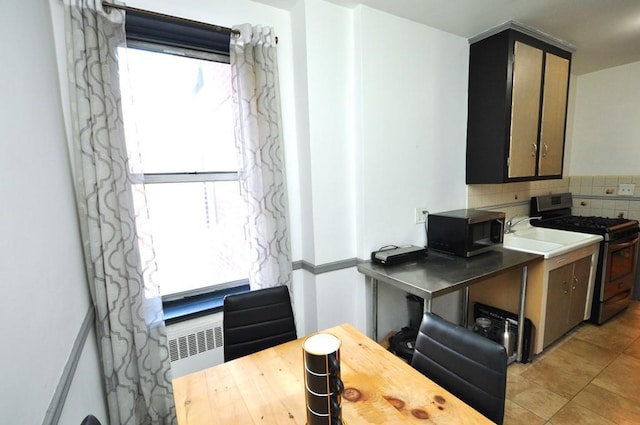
558	302
579	289
554	109
525	110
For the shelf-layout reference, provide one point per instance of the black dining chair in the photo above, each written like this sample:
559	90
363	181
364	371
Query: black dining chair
90	420
470	366
257	320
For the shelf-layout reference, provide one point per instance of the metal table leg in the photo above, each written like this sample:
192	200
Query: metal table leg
374	308
523	291
427	305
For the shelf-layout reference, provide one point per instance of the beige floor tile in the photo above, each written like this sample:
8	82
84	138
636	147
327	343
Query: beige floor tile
518	415
517	368
597	367
561	372
535	398
574	414
622	377
634	349
595	355
615	335
609	405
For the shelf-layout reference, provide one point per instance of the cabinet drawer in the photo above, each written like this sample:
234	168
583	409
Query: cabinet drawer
613	288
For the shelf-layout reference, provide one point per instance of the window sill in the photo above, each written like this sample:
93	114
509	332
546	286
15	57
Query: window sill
198	305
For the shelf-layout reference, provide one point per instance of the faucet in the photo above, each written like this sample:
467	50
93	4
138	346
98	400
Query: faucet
510	224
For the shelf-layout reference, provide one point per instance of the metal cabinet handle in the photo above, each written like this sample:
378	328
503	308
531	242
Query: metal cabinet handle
534	149
545	151
566	289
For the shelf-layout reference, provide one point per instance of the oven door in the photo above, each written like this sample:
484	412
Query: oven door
622	259
621	263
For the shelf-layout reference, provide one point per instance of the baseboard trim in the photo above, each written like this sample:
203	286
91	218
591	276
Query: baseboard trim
327	267
52	415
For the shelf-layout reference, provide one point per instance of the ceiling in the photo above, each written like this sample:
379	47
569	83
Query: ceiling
604	33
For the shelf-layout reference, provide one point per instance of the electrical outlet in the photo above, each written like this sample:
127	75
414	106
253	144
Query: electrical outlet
626	189
421	215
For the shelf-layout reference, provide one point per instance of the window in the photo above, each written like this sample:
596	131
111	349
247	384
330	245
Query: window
179	129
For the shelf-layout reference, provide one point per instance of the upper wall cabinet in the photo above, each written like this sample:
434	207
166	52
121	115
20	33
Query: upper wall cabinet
518	90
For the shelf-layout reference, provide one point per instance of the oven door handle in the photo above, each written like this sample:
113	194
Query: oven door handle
621	296
624	245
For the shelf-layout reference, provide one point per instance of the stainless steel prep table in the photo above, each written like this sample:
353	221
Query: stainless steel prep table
439	274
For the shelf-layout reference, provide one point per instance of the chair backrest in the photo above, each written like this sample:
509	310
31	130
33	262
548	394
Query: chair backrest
257	320
470	366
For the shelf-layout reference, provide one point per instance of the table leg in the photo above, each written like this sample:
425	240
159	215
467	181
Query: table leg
465	307
374	308
427	305
523	291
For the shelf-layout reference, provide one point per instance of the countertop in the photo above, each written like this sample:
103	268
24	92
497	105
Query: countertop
439	274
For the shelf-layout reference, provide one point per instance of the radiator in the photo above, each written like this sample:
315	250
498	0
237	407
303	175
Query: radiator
195	344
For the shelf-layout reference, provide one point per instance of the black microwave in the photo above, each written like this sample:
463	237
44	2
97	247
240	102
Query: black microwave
465	232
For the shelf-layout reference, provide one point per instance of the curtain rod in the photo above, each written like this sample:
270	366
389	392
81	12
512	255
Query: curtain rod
169	17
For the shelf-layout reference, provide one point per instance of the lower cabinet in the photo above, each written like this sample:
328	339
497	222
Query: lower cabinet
558	298
566	299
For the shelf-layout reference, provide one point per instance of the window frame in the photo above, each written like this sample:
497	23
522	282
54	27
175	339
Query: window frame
164	35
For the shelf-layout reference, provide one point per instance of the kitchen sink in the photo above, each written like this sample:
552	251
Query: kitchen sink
547	242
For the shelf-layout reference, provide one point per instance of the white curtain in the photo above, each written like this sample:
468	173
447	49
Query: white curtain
254	73
129	326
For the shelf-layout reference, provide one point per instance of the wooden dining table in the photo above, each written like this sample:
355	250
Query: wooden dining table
268	388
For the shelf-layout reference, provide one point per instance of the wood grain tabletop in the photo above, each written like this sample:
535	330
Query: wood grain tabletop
268	388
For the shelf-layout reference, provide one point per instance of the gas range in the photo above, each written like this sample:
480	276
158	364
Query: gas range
555	213
617	256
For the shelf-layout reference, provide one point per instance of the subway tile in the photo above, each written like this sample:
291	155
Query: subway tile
596	203
622	205
611	181
634	215
586	181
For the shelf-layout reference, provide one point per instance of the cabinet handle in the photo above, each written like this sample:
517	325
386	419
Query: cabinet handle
566	289
546	150
534	149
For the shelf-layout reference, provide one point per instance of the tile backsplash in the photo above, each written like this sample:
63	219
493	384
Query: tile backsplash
592	195
600	196
512	198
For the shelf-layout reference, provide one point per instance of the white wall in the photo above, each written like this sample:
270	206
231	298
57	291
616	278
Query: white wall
374	127
384	125
605	138
412	127
44	291
412	103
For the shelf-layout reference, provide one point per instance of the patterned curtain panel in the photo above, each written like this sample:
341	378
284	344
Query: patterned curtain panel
131	333
254	73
